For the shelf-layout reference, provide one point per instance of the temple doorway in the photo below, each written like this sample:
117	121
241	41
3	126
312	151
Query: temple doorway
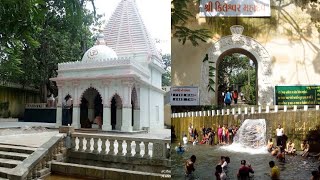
116	112
91	109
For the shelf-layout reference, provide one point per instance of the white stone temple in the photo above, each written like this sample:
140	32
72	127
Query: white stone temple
118	80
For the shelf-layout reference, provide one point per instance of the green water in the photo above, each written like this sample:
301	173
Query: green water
295	168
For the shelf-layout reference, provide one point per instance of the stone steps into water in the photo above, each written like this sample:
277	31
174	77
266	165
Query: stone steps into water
100	172
13	155
9	163
17	149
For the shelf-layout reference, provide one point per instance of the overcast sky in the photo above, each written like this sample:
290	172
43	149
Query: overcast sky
156	15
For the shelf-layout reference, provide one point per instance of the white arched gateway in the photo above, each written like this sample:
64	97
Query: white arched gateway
238	43
117	84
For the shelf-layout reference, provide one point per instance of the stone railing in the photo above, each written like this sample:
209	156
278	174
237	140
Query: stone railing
36	105
243	110
121	146
38	163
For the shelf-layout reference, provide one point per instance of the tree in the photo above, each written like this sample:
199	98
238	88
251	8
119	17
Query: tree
231	66
36	35
179	18
166	77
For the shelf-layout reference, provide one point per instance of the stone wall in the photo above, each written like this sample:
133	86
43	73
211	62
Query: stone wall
17	99
296	123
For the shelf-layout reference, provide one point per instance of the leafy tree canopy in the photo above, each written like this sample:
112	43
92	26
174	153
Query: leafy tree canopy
166	77
179	18
36	35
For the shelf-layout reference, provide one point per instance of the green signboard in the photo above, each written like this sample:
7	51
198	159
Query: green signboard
297	95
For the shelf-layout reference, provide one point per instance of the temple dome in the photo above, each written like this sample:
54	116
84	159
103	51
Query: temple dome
99	53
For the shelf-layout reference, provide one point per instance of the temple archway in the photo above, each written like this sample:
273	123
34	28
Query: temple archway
91	109
116	112
244	45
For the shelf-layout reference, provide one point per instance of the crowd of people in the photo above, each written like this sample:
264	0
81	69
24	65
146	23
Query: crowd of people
224	134
245	171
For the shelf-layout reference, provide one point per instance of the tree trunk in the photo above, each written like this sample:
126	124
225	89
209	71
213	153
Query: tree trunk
43	92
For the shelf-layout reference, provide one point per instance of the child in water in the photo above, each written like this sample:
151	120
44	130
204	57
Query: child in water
180	149
195	142
185	139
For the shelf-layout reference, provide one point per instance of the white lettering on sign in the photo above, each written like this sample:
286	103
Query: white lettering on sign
244	8
184	96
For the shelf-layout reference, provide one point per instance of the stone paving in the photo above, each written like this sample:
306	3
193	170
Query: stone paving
21	133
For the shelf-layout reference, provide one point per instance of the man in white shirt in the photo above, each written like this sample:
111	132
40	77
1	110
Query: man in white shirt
279	132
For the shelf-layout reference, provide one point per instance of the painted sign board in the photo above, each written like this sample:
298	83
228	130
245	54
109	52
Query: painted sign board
184	96
235	8
297	95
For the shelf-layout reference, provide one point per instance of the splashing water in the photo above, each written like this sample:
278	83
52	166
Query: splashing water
250	137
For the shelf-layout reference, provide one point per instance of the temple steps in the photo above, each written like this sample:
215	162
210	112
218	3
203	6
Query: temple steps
3	172
11	156
9	163
17	149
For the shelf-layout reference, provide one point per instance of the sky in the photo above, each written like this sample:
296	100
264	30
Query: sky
156	15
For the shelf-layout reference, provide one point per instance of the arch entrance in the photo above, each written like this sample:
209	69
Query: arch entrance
237	43
91	109
116	112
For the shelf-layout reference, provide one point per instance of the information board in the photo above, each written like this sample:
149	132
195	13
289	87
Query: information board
236	8
184	96
297	95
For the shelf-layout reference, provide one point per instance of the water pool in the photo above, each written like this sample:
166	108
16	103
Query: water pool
295	168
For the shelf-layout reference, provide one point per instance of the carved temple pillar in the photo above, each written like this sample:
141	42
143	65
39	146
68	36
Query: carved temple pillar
106	125
127	107
59	106
76	107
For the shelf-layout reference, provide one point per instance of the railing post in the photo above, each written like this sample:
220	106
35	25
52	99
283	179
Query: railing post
137	150
146	149
120	148
73	143
95	145
29	176
111	147
88	145
103	146
81	139
295	108
128	148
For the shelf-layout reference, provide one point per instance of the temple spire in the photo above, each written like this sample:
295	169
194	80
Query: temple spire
126	33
